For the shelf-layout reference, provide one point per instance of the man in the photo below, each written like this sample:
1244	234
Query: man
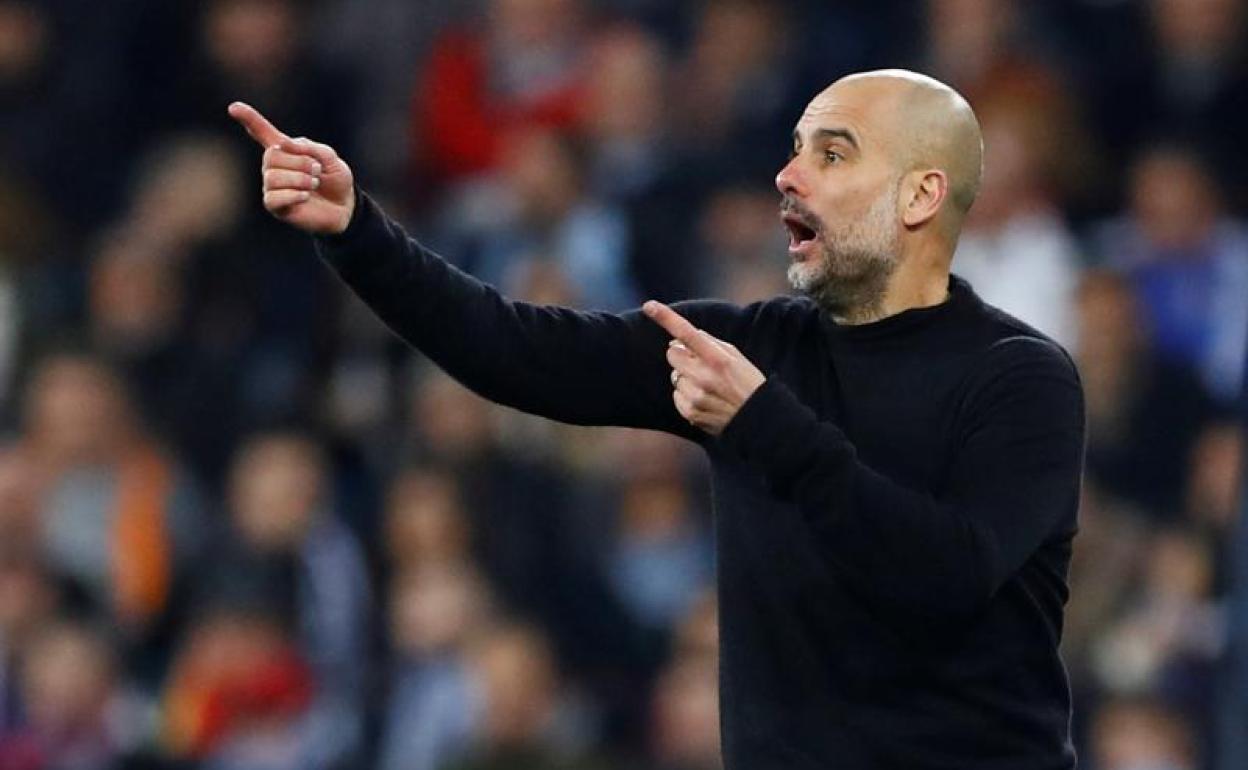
896	464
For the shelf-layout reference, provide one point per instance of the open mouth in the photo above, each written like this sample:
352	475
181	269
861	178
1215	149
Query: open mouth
801	234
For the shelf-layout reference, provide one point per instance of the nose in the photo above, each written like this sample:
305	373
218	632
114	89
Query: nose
789	180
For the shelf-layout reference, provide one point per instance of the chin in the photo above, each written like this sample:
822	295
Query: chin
806	275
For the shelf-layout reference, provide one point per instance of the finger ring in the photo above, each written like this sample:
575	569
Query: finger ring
675	378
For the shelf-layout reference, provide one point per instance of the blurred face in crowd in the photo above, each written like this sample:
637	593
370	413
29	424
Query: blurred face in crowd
191	189
697	636
451	418
1109	321
515	669
67	680
1199	29
277	484
525	24
967	36
736	38
543	175
626	87
27	595
686	714
435	607
135	297
653	512
1172	198
1132	735
1180	567
879	163
24	37
76	412
1217	470
251	40
1012	176
19	499
425	522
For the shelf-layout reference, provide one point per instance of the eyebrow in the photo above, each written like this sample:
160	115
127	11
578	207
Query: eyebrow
830	133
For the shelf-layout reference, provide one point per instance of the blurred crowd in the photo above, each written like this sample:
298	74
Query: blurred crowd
243	528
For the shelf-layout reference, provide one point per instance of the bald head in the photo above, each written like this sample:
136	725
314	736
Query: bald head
885	166
922	123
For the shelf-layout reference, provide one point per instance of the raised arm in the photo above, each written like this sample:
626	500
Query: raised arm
578	367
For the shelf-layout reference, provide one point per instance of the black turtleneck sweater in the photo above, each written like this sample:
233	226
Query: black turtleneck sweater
894	505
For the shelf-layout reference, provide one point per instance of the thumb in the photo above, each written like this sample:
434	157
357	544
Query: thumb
258	126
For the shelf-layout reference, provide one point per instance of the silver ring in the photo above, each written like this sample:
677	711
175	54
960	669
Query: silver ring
675	378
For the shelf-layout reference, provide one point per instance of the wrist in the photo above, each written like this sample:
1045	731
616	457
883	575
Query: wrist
348	213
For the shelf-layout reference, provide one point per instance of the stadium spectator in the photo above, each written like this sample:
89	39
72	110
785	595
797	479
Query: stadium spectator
1144	412
70	694
740	88
633	161
239	693
1187	261
686	717
118	515
738	241
434	708
1140	734
521	69
425	520
29	601
1016	250
661	558
525	723
291	543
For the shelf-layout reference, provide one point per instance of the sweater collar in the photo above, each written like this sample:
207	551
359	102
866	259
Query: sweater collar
907	322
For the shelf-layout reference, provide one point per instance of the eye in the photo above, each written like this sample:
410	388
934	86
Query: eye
832	156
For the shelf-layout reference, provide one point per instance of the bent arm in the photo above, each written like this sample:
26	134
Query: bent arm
1014	484
587	368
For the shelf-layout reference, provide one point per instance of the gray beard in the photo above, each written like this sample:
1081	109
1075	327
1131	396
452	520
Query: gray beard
851	275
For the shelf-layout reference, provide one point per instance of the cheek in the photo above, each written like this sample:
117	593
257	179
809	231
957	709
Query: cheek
847	202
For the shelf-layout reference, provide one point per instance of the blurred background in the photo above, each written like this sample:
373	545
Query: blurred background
241	527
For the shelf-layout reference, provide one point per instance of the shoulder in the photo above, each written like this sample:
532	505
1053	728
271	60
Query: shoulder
1014	366
1000	340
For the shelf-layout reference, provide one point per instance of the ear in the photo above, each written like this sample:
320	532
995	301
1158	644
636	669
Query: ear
925	193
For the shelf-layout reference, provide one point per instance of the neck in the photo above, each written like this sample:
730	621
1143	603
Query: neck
920	280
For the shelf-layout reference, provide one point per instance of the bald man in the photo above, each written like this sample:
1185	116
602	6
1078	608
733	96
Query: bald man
896	464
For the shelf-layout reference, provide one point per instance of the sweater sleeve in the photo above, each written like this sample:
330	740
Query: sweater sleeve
587	368
1013	485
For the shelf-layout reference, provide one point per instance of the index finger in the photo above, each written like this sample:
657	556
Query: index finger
679	327
258	126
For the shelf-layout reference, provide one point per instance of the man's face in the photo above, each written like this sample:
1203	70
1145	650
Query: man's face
840	201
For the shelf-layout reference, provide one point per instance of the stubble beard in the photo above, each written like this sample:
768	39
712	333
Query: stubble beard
850	276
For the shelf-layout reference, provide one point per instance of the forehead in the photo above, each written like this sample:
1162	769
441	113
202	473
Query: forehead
863	109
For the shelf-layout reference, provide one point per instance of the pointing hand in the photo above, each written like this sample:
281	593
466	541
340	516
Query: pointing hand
305	183
711	379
